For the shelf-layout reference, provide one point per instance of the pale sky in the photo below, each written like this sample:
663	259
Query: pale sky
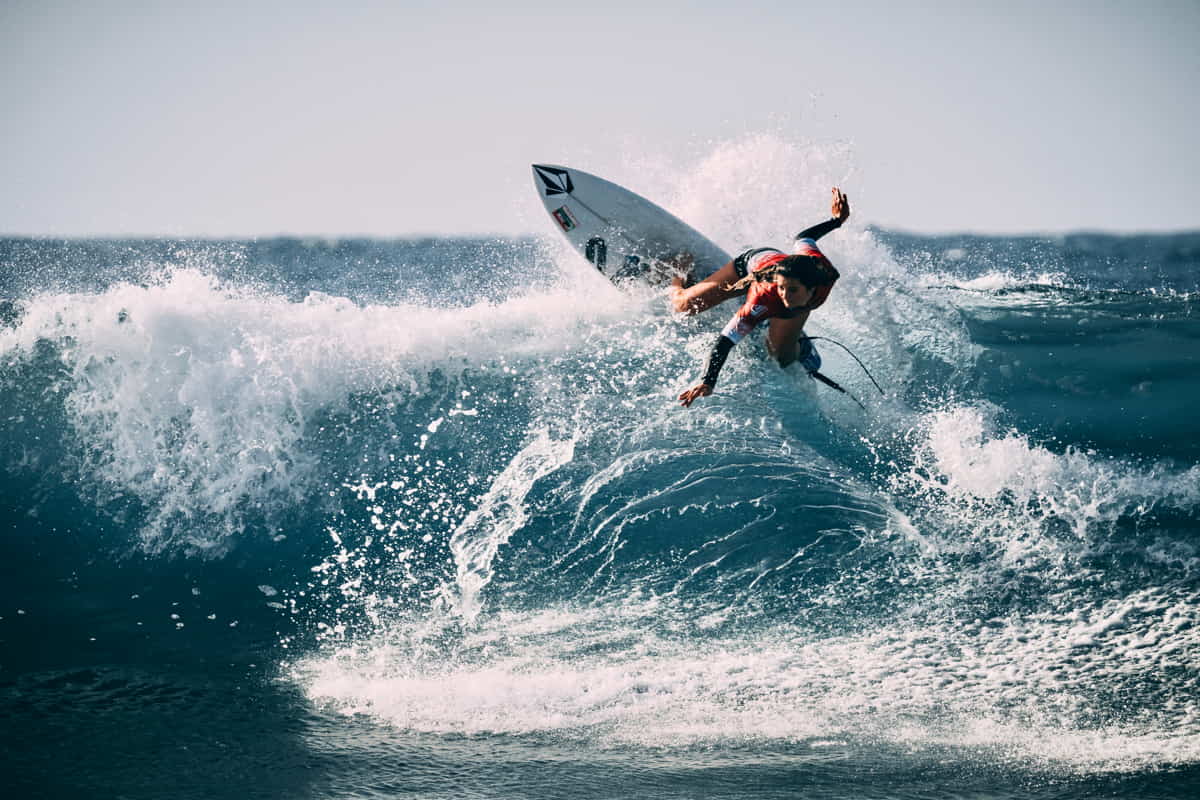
407	118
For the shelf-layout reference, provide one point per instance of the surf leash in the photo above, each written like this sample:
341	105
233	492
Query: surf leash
830	382
825	379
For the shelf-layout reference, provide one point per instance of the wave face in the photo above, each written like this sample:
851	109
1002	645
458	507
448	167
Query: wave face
454	474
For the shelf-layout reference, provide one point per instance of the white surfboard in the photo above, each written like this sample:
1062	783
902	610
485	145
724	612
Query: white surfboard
620	233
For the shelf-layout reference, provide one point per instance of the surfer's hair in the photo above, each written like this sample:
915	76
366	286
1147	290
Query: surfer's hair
809	270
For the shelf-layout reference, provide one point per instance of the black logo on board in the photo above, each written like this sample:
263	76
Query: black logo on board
556	181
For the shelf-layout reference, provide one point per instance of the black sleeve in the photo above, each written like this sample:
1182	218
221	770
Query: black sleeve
820	229
716	359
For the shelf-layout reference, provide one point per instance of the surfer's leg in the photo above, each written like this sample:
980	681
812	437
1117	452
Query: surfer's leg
702	296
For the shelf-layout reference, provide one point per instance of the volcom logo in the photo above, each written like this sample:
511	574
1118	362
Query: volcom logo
556	181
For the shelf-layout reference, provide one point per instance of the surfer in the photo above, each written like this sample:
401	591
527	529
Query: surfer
778	286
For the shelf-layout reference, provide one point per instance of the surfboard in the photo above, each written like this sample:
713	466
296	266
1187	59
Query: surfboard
619	232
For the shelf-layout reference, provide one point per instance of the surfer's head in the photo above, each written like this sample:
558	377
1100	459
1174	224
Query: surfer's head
803	281
793	292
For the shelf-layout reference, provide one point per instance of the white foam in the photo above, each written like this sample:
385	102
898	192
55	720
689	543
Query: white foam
1017	690
1001	485
197	397
996	281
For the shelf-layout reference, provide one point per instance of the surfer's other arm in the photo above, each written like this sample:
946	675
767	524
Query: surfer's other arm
716	360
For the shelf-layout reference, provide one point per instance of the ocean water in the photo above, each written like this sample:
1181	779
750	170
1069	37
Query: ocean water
421	518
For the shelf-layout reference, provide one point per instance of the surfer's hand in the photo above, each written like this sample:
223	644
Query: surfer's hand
692	394
841	205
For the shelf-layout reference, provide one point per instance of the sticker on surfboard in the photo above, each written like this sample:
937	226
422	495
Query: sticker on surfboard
564	218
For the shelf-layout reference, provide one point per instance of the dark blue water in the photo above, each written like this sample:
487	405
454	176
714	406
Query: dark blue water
421	519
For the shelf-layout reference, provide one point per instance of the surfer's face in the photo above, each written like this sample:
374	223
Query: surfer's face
792	292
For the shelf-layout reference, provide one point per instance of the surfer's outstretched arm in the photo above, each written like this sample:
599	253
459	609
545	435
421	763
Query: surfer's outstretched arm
839	208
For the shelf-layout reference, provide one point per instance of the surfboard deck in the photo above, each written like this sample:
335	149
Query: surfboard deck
622	234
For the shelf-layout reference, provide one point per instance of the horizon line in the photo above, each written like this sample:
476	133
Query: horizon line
422	236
